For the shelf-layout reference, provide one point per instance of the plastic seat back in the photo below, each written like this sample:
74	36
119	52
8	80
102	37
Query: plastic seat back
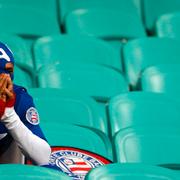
67	6
142	53
65	48
71	108
154	146
129	171
143	109
81	21
158	8
168	25
60	134
162	79
89	79
29	19
19	48
23	77
21	172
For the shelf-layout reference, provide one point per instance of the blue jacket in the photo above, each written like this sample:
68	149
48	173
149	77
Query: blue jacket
22	105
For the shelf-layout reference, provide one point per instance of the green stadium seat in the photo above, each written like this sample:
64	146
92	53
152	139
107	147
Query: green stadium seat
24	72
131	171
151	145
162	78
110	25
72	108
78	137
141	53
65	48
24	77
29	19
19	49
93	80
29	172
168	25
138	5
67	6
48	5
153	9
143	109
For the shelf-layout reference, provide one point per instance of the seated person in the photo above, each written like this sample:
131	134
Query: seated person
20	134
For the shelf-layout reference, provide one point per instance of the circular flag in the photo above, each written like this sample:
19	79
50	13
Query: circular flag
75	162
32	116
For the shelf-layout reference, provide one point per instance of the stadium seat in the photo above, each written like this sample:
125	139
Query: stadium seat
151	145
21	172
24	77
67	6
131	171
162	78
30	19
78	137
19	49
158	8
141	53
65	48
93	80
143	109
110	25
168	25
72	108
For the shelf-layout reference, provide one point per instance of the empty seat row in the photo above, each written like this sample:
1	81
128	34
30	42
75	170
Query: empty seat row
67	48
139	54
127	110
146	145
148	117
100	60
129	171
72	108
19	171
111	171
143	109
63	49
155	146
94	80
127	20
70	11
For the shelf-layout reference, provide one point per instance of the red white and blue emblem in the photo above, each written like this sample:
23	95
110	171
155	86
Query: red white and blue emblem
75	162
32	116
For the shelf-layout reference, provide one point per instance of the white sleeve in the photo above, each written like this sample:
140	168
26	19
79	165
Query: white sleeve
31	145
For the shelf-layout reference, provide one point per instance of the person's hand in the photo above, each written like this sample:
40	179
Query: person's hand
3	86
3	97
7	96
9	89
6	87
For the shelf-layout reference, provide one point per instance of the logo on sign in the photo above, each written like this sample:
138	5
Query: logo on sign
76	162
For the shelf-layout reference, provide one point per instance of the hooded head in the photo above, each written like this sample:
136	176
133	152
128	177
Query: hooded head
6	60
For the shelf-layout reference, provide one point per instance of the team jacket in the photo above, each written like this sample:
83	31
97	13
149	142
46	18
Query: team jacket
27	133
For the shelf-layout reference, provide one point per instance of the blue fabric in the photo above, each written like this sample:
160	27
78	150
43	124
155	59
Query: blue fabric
23	102
6	56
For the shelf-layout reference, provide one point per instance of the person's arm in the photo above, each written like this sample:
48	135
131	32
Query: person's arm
31	145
